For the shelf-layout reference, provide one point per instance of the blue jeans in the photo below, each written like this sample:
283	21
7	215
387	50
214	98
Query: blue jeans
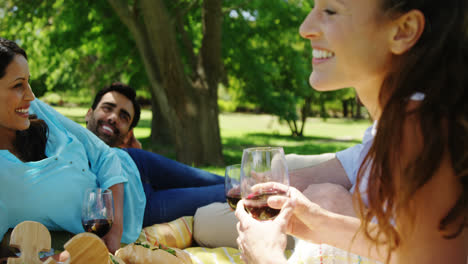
174	189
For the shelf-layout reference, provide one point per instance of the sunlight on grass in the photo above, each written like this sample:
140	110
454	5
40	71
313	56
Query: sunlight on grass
239	131
240	124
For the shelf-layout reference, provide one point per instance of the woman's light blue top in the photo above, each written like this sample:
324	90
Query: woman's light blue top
50	191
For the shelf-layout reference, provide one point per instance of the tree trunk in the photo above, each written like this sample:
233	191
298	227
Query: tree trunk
188	104
358	114
161	134
344	103
291	127
323	110
305	112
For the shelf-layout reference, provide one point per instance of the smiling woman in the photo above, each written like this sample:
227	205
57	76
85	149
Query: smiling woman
408	62
23	135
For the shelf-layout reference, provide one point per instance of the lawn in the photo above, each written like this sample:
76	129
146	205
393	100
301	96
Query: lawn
239	131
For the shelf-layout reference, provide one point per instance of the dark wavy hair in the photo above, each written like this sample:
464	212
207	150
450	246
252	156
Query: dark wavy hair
30	144
438	67
126	91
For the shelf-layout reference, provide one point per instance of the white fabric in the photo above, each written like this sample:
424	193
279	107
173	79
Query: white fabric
214	225
310	253
352	158
348	159
295	161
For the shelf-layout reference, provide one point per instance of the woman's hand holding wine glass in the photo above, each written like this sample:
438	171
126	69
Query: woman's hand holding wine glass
261	165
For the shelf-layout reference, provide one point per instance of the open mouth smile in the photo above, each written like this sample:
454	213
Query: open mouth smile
107	129
321	55
24	112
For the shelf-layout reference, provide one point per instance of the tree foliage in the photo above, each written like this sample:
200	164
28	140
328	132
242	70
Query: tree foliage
87	44
266	57
95	42
269	63
72	44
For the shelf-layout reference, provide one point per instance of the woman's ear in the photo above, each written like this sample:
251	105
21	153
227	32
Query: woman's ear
408	29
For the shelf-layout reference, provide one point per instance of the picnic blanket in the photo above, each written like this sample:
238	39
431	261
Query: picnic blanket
178	233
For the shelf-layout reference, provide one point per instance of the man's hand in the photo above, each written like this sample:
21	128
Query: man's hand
130	141
332	197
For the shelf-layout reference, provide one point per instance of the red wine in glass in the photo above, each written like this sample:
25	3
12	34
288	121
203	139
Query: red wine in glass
100	227
233	197
231	185
256	204
262	165
97	213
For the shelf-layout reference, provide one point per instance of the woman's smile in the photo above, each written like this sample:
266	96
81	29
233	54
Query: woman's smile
320	55
23	111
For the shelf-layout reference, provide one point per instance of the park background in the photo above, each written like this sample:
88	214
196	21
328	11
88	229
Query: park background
214	76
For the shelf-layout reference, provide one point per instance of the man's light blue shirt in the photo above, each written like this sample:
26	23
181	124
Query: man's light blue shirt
51	190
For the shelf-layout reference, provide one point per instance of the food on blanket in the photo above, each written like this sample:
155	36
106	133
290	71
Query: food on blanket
138	253
256	204
100	227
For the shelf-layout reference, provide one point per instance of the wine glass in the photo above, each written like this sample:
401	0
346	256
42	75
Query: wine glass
232	185
260	165
97	213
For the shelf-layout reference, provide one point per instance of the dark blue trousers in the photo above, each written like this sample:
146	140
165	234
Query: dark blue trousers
174	189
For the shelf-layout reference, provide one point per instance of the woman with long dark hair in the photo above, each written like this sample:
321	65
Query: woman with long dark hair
408	61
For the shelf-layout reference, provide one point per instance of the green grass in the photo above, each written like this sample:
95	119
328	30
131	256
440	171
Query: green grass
239	131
